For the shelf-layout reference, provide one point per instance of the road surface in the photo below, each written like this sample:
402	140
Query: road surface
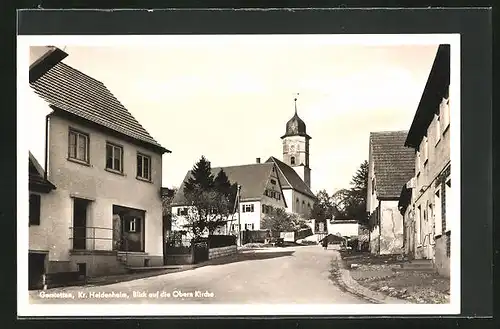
275	275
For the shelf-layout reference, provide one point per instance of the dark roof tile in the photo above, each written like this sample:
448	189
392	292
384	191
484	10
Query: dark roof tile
393	162
252	178
289	178
79	94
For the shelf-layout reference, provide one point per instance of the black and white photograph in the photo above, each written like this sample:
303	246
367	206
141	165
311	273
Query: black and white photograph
243	174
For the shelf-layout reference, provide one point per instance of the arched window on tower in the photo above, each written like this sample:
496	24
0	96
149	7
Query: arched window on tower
292	160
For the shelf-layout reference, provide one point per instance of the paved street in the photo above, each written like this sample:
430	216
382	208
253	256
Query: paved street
282	275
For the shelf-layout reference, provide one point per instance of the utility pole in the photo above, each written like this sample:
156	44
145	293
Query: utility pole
239	215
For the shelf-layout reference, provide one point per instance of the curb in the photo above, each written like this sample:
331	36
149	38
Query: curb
352	286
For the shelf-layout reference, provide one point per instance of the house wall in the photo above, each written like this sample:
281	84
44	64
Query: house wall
427	241
390	231
345	229
104	188
302	207
254	217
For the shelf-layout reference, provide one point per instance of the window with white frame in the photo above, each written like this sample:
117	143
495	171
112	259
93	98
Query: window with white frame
249	226
247	208
114	157
437	119
448	202
132	225
438	220
143	167
425	150
78	148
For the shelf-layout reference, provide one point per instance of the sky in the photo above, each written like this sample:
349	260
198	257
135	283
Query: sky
230	100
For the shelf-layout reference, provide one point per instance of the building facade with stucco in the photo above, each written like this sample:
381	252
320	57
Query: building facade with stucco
426	200
390	165
101	210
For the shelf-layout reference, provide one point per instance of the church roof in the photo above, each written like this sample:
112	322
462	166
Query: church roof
253	179
296	126
289	178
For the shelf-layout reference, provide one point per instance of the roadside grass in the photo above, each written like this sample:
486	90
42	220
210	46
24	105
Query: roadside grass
384	274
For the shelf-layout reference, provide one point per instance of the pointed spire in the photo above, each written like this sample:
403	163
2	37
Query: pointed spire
295	100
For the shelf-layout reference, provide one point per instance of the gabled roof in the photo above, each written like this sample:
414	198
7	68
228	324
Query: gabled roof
289	178
435	90
37	180
253	179
393	162
74	92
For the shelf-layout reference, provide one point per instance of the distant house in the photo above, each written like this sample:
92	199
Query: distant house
261	189
97	195
425	199
343	226
390	166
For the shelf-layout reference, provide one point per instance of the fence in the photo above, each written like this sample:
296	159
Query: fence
92	238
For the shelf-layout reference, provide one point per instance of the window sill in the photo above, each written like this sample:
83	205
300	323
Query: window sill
114	171
79	162
144	180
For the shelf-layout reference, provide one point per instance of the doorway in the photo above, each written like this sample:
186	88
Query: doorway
80	207
128	229
36	269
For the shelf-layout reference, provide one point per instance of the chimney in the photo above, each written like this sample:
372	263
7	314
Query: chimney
257	160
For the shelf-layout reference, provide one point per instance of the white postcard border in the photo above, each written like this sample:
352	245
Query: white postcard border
46	310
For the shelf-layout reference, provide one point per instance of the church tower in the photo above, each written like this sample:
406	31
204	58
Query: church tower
296	147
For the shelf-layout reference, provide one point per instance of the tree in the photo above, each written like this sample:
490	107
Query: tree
278	220
324	208
211	199
355	201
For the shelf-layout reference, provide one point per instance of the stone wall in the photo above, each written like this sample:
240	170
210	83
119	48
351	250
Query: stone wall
221	252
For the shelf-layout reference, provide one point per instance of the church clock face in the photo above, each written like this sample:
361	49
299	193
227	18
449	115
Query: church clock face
292	148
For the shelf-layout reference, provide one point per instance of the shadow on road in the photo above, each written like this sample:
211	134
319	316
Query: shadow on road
246	256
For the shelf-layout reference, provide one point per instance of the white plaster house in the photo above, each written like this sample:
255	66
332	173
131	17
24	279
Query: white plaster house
101	209
390	166
343	227
288	182
260	190
425	199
